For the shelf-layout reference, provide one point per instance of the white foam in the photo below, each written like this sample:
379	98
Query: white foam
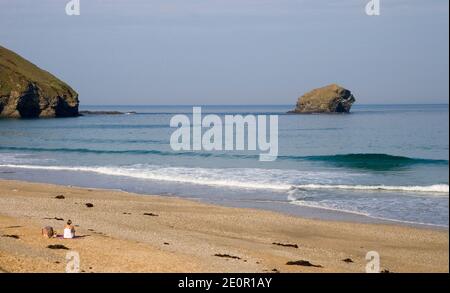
17	159
163	174
237	178
365	214
436	188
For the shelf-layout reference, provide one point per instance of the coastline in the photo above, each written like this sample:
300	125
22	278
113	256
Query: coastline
134	185
179	235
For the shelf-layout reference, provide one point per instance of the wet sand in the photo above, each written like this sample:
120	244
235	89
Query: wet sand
125	232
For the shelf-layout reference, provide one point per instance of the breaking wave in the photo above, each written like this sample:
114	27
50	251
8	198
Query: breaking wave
238	178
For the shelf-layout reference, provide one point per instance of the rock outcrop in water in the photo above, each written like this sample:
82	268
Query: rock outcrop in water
329	99
26	91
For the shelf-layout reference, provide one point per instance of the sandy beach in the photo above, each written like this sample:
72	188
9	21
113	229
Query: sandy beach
126	232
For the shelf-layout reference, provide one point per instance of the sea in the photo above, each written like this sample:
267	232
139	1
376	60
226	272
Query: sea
380	163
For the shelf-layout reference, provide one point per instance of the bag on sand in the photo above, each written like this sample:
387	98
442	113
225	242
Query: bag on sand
48	232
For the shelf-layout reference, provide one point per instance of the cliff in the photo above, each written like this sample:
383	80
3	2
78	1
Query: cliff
26	91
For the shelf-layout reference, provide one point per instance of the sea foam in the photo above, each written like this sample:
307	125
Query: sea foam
246	178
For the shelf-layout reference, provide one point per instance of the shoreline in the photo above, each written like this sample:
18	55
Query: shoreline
84	180
127	232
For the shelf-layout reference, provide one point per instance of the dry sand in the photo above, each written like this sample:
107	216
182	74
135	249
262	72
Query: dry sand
185	236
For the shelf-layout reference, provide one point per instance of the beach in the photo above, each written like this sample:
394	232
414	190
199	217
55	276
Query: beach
330	167
126	232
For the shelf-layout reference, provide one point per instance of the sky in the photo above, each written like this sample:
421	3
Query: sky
197	52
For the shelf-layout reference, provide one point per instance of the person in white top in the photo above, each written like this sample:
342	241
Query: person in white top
69	230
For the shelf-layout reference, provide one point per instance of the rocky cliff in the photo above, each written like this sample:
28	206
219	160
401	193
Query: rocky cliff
329	99
26	91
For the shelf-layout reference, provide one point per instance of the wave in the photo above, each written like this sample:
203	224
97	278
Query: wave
97	151
361	213
237	178
164	174
105	126
373	161
109	141
435	188
368	157
203	154
367	161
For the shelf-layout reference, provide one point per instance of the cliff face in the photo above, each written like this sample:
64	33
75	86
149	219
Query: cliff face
26	91
329	99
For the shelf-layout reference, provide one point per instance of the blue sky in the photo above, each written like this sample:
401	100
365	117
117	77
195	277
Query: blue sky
235	51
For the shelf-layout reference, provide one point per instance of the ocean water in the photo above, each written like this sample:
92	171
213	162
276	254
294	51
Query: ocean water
381	162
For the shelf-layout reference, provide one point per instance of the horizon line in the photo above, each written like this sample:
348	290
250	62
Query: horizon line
178	105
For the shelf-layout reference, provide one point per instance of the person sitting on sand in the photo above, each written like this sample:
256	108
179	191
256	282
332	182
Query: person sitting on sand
69	230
